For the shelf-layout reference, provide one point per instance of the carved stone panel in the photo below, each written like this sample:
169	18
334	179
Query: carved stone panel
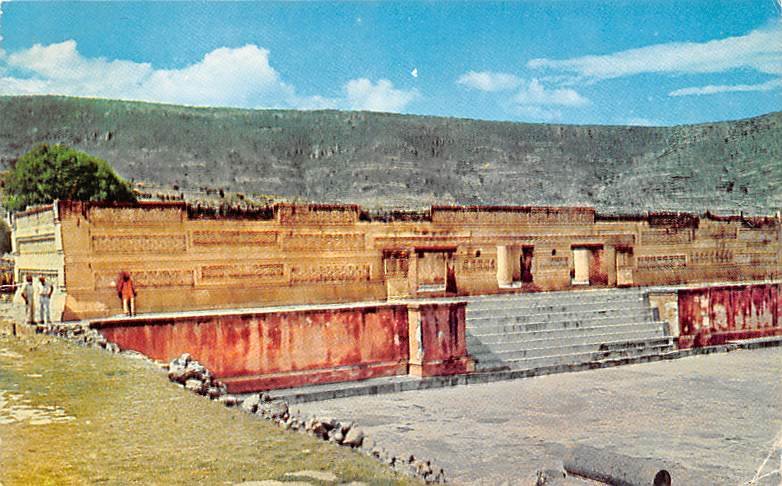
149	244
317	215
147	278
135	215
665	236
328	272
658	262
234	238
259	271
514	216
396	267
324	241
479	265
711	257
758	259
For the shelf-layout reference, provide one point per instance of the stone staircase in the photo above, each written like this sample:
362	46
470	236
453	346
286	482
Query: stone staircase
535	330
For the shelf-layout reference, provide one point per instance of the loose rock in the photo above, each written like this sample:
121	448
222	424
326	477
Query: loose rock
354	437
250	404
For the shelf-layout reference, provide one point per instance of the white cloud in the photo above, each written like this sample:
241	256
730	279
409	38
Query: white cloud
363	94
641	122
534	93
759	50
240	77
226	76
537	113
723	88
489	81
1	23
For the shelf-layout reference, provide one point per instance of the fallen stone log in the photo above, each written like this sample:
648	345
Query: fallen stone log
620	470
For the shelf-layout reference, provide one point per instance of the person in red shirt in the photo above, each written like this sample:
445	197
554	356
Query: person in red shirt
127	292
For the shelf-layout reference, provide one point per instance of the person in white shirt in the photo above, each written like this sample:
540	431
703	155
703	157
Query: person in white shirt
28	294
46	289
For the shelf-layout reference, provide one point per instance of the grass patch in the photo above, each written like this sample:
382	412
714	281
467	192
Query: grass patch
71	415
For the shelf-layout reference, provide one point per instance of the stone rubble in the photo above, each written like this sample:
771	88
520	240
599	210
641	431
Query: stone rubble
193	376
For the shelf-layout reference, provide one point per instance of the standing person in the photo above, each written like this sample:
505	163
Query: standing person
127	292
28	294
46	290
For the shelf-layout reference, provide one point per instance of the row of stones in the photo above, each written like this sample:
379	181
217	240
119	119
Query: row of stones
195	377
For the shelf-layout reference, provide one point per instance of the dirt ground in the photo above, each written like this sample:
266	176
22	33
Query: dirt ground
718	415
71	415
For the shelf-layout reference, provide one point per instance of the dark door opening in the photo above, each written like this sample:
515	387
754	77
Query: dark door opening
525	262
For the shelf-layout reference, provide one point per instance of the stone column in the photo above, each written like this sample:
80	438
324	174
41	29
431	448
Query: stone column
609	265
504	266
437	340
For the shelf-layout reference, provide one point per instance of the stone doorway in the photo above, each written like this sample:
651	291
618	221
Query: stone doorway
435	270
588	265
525	264
514	266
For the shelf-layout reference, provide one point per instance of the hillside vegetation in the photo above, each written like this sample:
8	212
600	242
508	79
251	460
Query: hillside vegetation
380	159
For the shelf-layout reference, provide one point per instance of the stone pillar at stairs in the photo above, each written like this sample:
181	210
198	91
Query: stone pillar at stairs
437	339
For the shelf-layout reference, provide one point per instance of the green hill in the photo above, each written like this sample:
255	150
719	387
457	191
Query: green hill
380	159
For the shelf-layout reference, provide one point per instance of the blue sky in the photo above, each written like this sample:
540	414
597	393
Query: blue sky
661	62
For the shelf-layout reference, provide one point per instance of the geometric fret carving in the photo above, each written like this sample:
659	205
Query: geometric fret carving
135	215
759	259
662	261
234	238
324	241
396	267
326	272
147	278
139	244
513	216
260	271
478	265
664	236
710	257
317	214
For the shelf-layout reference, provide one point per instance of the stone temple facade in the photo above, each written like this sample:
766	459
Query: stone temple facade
297	294
185	258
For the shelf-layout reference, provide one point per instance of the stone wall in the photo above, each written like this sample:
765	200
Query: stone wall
281	349
188	258
716	315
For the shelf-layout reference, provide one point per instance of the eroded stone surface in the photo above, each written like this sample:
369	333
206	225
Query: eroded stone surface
717	414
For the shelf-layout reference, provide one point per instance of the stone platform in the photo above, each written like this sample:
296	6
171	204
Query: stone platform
397	384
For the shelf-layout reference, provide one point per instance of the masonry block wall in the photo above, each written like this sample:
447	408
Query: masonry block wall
716	315
191	258
271	350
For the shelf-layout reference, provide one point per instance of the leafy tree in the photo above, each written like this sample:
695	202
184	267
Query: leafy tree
53	172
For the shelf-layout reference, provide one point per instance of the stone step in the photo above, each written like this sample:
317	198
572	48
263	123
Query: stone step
552	349
564	316
556	294
503	326
477	345
543	298
574	332
548	304
573	358
555	308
